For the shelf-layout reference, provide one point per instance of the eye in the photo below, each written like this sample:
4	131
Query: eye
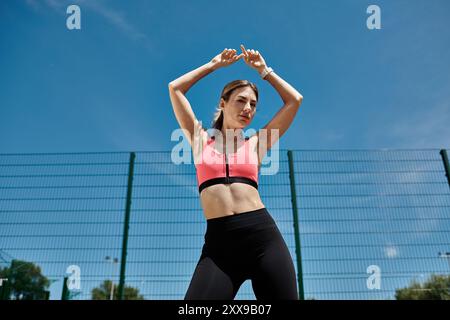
252	104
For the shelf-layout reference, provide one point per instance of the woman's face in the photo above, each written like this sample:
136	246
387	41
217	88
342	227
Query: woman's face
240	108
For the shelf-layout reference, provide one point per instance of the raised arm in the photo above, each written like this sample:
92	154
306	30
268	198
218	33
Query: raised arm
291	98
179	87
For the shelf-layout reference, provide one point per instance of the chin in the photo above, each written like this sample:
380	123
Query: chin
243	124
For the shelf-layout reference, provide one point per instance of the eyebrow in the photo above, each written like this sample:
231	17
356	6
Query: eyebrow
245	98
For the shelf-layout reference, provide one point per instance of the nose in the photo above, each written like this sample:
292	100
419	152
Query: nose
248	107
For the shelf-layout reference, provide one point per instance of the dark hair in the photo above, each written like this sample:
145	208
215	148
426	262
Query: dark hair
217	122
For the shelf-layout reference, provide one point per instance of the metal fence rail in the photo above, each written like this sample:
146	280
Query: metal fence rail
340	212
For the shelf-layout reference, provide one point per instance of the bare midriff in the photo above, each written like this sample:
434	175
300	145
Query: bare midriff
229	199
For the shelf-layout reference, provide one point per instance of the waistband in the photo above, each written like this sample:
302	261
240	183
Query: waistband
246	221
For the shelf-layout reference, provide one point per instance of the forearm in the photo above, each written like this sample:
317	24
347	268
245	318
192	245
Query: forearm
186	81
285	90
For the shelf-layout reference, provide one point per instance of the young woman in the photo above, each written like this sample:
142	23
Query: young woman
242	240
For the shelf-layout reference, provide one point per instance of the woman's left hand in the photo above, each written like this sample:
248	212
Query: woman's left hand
254	59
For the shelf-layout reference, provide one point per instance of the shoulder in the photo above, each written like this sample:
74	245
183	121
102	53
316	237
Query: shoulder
254	137
252	140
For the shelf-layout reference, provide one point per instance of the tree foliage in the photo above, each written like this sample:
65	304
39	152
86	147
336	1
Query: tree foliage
104	292
24	282
435	288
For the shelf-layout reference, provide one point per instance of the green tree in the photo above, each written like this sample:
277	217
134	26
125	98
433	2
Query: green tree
104	292
24	282
435	288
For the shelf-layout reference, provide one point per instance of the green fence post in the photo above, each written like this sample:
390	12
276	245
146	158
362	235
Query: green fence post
444	156
65	290
296	225
126	226
4	290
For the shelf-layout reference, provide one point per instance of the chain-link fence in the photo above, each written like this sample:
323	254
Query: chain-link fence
359	224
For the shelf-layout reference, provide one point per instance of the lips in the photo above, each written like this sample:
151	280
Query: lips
245	118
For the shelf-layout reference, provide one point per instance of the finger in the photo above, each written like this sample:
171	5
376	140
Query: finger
237	57
228	53
246	52
224	52
243	50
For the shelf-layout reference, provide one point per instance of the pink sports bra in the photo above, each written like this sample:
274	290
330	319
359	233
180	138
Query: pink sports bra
217	168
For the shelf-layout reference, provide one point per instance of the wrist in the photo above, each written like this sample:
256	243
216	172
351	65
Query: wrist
212	66
261	69
265	72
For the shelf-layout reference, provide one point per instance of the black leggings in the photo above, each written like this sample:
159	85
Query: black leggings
245	246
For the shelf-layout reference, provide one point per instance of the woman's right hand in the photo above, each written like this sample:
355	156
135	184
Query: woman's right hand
225	58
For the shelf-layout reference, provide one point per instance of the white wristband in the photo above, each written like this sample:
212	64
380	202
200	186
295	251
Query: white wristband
265	72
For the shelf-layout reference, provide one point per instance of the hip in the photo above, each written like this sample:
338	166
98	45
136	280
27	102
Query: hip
246	229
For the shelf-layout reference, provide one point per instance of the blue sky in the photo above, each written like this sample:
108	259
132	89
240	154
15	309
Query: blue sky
104	87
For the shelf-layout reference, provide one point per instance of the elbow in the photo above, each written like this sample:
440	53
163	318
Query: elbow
297	100
174	87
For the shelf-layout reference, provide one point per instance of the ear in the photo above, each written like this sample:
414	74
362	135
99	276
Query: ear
222	103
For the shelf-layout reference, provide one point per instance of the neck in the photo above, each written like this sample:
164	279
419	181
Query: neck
231	142
233	132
